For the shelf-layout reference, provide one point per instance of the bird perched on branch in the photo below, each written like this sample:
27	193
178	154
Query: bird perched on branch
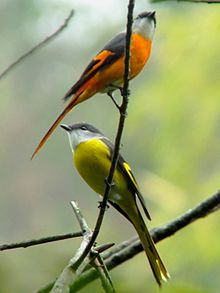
92	155
105	72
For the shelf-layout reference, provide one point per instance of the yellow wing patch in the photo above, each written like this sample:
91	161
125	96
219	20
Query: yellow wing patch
127	168
131	176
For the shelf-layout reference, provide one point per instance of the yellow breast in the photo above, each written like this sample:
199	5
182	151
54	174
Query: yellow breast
92	160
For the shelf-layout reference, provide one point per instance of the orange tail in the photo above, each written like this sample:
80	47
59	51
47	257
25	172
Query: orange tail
73	102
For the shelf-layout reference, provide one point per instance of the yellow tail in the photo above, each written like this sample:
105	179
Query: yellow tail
157	266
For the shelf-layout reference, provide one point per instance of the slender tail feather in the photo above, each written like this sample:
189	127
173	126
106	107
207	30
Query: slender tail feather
157	266
68	108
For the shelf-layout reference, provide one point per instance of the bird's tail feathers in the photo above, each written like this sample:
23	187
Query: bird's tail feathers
73	102
157	266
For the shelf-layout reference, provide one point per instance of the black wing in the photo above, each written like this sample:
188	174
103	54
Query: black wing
126	170
112	51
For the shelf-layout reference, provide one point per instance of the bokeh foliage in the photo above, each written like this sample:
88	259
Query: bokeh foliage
171	139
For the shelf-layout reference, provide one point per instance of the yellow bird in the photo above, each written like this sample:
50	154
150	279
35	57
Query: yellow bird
92	154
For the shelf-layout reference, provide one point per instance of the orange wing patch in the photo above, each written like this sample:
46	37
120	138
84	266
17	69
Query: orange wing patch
87	75
98	61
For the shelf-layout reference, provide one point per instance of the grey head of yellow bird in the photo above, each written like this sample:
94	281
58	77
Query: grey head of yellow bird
92	154
81	132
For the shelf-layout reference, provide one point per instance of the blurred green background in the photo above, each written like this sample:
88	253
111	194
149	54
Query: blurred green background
171	139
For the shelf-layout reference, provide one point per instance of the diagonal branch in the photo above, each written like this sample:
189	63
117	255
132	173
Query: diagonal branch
123	109
202	210
103	274
195	1
38	46
129	248
69	275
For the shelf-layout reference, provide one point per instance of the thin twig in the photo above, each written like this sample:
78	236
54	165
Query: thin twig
129	248
28	243
71	273
202	1
82	222
67	276
102	271
118	136
195	1
38	46
202	210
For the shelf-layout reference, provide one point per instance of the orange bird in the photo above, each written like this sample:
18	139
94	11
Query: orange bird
106	70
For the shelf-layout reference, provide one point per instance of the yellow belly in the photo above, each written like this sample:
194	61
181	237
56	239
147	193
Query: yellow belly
92	160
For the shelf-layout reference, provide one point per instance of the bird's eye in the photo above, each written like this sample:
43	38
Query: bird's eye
83	127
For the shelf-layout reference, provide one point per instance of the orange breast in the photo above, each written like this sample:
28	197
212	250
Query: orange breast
140	52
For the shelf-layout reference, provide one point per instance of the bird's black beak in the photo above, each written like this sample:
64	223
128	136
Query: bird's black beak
66	127
152	15
149	14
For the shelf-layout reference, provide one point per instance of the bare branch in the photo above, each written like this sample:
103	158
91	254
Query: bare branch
131	247
28	243
38	46
69	274
123	109
82	222
203	209
102	271
128	249
195	1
